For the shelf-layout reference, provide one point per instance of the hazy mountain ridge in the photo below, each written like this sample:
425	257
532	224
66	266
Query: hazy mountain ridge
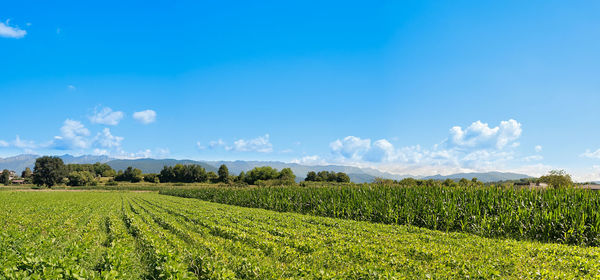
493	176
149	165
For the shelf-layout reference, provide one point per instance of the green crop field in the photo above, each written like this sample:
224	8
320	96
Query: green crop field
126	235
568	216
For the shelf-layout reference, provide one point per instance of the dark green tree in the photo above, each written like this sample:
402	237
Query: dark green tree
311	176
263	173
26	173
151	178
223	174
409	182
48	171
212	177
287	175
342	177
130	174
81	178
557	178
5	177
241	177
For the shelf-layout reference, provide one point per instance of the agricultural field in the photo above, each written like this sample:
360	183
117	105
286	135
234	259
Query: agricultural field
134	235
566	215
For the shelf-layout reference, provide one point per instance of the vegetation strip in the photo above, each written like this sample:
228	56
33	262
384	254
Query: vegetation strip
120	235
564	215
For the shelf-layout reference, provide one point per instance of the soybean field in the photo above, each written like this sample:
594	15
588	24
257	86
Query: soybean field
126	235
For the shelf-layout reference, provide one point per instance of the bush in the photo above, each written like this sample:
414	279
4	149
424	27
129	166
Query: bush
111	183
151	178
130	174
81	178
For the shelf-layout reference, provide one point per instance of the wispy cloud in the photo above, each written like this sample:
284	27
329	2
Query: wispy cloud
106	116
261	144
591	154
8	31
145	117
105	139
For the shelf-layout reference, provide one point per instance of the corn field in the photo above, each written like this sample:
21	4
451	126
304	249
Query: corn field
567	216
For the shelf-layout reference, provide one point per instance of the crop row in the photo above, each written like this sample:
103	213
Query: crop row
568	216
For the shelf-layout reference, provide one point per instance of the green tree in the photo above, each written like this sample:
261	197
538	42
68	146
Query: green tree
223	174
311	176
448	182
81	178
463	182
263	173
342	177
151	178
287	175
409	182
557	178
26	173
5	177
48	171
212	177
130	174
241	177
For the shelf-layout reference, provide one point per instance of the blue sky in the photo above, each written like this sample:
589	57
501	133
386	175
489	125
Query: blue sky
410	87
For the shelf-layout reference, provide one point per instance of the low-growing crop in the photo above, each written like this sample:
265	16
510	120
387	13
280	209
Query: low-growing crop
125	235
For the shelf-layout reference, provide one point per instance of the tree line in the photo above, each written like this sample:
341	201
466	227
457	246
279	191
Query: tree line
50	171
326	176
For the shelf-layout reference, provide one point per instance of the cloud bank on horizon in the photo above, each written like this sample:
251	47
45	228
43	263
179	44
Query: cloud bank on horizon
478	147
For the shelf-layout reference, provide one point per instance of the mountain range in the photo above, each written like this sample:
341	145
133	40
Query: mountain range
148	165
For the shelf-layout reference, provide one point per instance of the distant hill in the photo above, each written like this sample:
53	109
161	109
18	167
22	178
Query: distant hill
20	162
483	177
148	165
356	174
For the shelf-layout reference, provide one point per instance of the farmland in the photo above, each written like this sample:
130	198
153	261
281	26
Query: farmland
125	235
564	215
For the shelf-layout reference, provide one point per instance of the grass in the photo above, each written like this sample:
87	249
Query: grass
125	235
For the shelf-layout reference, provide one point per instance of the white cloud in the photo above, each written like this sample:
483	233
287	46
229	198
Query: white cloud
381	150
259	144
310	160
145	117
533	158
351	147
216	144
475	148
8	31
23	144
71	87
73	136
100	152
106	116
591	154
538	148
106	140
4	144
480	135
